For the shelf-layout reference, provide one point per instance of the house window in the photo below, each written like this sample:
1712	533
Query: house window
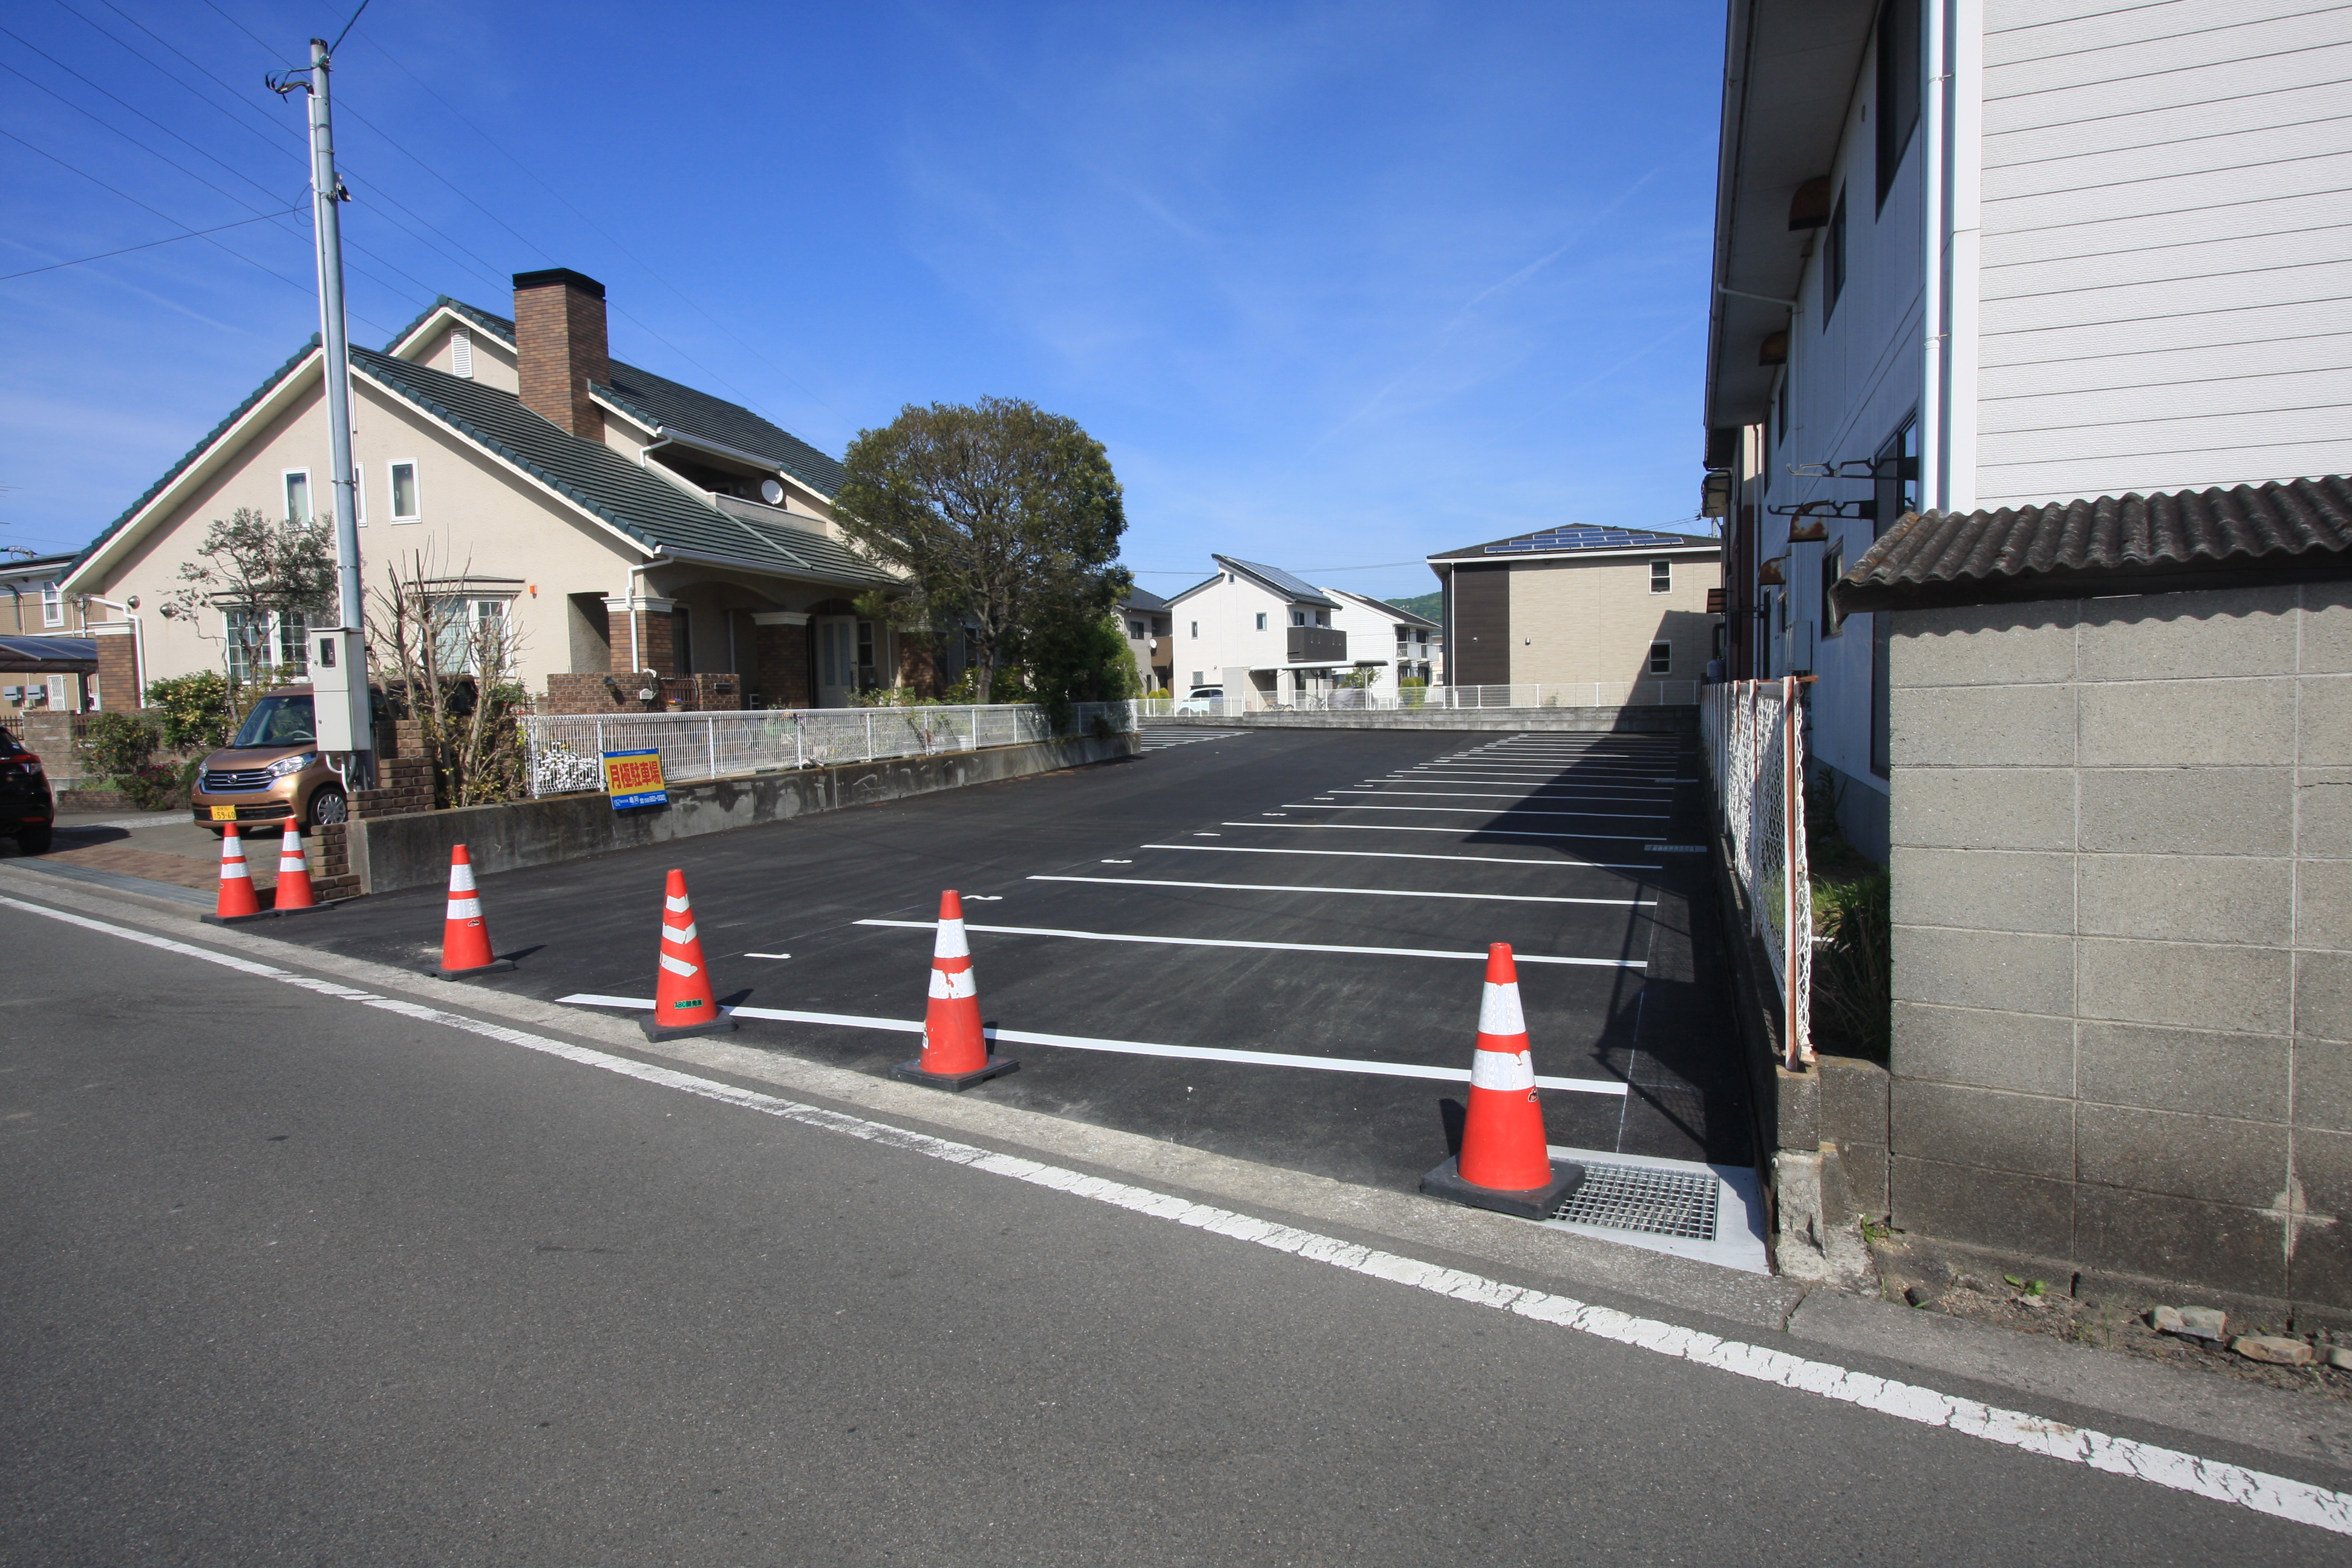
298	495
461	352
1661	576
1196	628
1196	678
1662	659
1135	630
53	605
1834	258
266	645
1832	568
465	628
1261	621
405	506
1899	87
1297	617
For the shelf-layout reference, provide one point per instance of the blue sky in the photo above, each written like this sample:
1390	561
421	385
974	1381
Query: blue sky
1338	285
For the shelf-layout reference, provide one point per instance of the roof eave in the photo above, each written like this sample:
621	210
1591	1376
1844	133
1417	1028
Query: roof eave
2109	581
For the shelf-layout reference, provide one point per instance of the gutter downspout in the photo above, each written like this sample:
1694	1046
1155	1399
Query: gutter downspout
1963	204
138	648
1934	223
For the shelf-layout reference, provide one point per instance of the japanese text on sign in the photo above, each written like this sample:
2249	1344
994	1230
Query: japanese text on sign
635	778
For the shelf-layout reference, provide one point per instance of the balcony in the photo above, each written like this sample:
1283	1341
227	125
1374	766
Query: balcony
1318	645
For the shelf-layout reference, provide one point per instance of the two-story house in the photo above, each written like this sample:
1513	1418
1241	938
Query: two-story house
36	670
1614	607
617	519
1387	645
1145	620
1260	633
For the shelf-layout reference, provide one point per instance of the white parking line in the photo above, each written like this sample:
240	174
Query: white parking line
1374	892
1483	795
1267	946
2258	1492
1122	1048
1490	811
1407	855
1479	832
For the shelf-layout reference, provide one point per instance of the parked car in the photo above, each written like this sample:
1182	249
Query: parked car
271	769
28	809
1203	699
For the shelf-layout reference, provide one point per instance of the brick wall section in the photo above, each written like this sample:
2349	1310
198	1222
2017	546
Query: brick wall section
560	346
402	785
118	675
656	647
693	693
331	864
781	673
2122	861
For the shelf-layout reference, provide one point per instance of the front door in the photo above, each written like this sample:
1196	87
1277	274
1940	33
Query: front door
836	659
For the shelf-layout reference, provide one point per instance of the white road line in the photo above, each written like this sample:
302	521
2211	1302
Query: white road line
1267	946
1490	811
1481	831
2278	1497
1406	855
1378	892
1124	1047
1485	795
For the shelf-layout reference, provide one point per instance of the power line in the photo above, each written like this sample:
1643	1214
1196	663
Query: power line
172	239
158	157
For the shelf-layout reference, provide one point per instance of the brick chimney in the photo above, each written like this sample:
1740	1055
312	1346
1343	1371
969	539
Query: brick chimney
560	346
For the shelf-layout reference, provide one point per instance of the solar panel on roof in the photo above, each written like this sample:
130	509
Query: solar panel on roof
1585	538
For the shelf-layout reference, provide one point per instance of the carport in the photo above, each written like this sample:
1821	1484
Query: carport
60	667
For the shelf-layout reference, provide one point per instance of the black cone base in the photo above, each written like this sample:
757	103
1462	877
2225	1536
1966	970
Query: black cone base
721	1024
492	967
954	1082
1535	1203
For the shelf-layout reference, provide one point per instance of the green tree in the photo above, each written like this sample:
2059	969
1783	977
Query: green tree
1005	520
252	569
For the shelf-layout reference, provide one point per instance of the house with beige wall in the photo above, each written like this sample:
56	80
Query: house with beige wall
620	521
1609	606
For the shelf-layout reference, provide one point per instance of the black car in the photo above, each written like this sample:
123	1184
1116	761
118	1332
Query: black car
26	808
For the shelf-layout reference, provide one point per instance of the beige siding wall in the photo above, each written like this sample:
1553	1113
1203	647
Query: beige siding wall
494	363
476	518
1595	620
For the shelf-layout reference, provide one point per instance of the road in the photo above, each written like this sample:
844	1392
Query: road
296	1277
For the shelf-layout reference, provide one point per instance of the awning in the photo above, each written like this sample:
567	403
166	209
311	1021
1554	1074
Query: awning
49	655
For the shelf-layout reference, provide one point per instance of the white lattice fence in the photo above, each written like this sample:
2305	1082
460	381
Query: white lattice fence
1754	735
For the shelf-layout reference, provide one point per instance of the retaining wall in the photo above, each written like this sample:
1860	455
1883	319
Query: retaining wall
392	852
1670	718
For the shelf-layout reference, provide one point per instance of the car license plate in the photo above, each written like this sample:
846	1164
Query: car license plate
224	814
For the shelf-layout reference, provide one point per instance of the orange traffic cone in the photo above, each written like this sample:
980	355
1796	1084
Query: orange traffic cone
955	1049
682	1004
1504	1164
464	936
237	902
293	873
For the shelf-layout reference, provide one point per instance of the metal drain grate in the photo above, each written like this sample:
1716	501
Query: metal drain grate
1658	1203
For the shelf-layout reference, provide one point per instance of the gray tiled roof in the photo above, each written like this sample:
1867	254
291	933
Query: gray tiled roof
643	505
1572	537
1143	599
661	402
1281	581
2286	531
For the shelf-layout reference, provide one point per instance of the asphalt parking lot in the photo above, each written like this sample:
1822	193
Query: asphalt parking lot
1246	943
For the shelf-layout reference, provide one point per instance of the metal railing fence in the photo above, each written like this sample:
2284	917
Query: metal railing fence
564	750
1522	694
1754	734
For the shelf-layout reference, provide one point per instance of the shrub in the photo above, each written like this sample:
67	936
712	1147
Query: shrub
195	708
121	749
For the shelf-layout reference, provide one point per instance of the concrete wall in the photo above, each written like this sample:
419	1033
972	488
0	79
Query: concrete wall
392	852
2122	860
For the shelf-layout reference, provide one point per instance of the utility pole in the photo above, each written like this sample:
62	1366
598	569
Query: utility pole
337	654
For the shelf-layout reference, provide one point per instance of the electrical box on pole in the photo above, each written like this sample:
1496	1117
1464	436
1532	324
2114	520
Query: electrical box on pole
338	653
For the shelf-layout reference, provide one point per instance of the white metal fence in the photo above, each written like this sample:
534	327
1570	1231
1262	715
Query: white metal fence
565	749
1754	735
1524	694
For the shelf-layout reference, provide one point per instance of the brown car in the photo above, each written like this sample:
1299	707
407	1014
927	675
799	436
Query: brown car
271	769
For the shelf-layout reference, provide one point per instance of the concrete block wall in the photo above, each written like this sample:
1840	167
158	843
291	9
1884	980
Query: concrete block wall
2121	847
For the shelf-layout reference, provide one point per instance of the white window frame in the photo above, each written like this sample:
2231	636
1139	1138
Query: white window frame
1662	650
286	499
1260	620
392	488
275	642
53	605
1661	576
